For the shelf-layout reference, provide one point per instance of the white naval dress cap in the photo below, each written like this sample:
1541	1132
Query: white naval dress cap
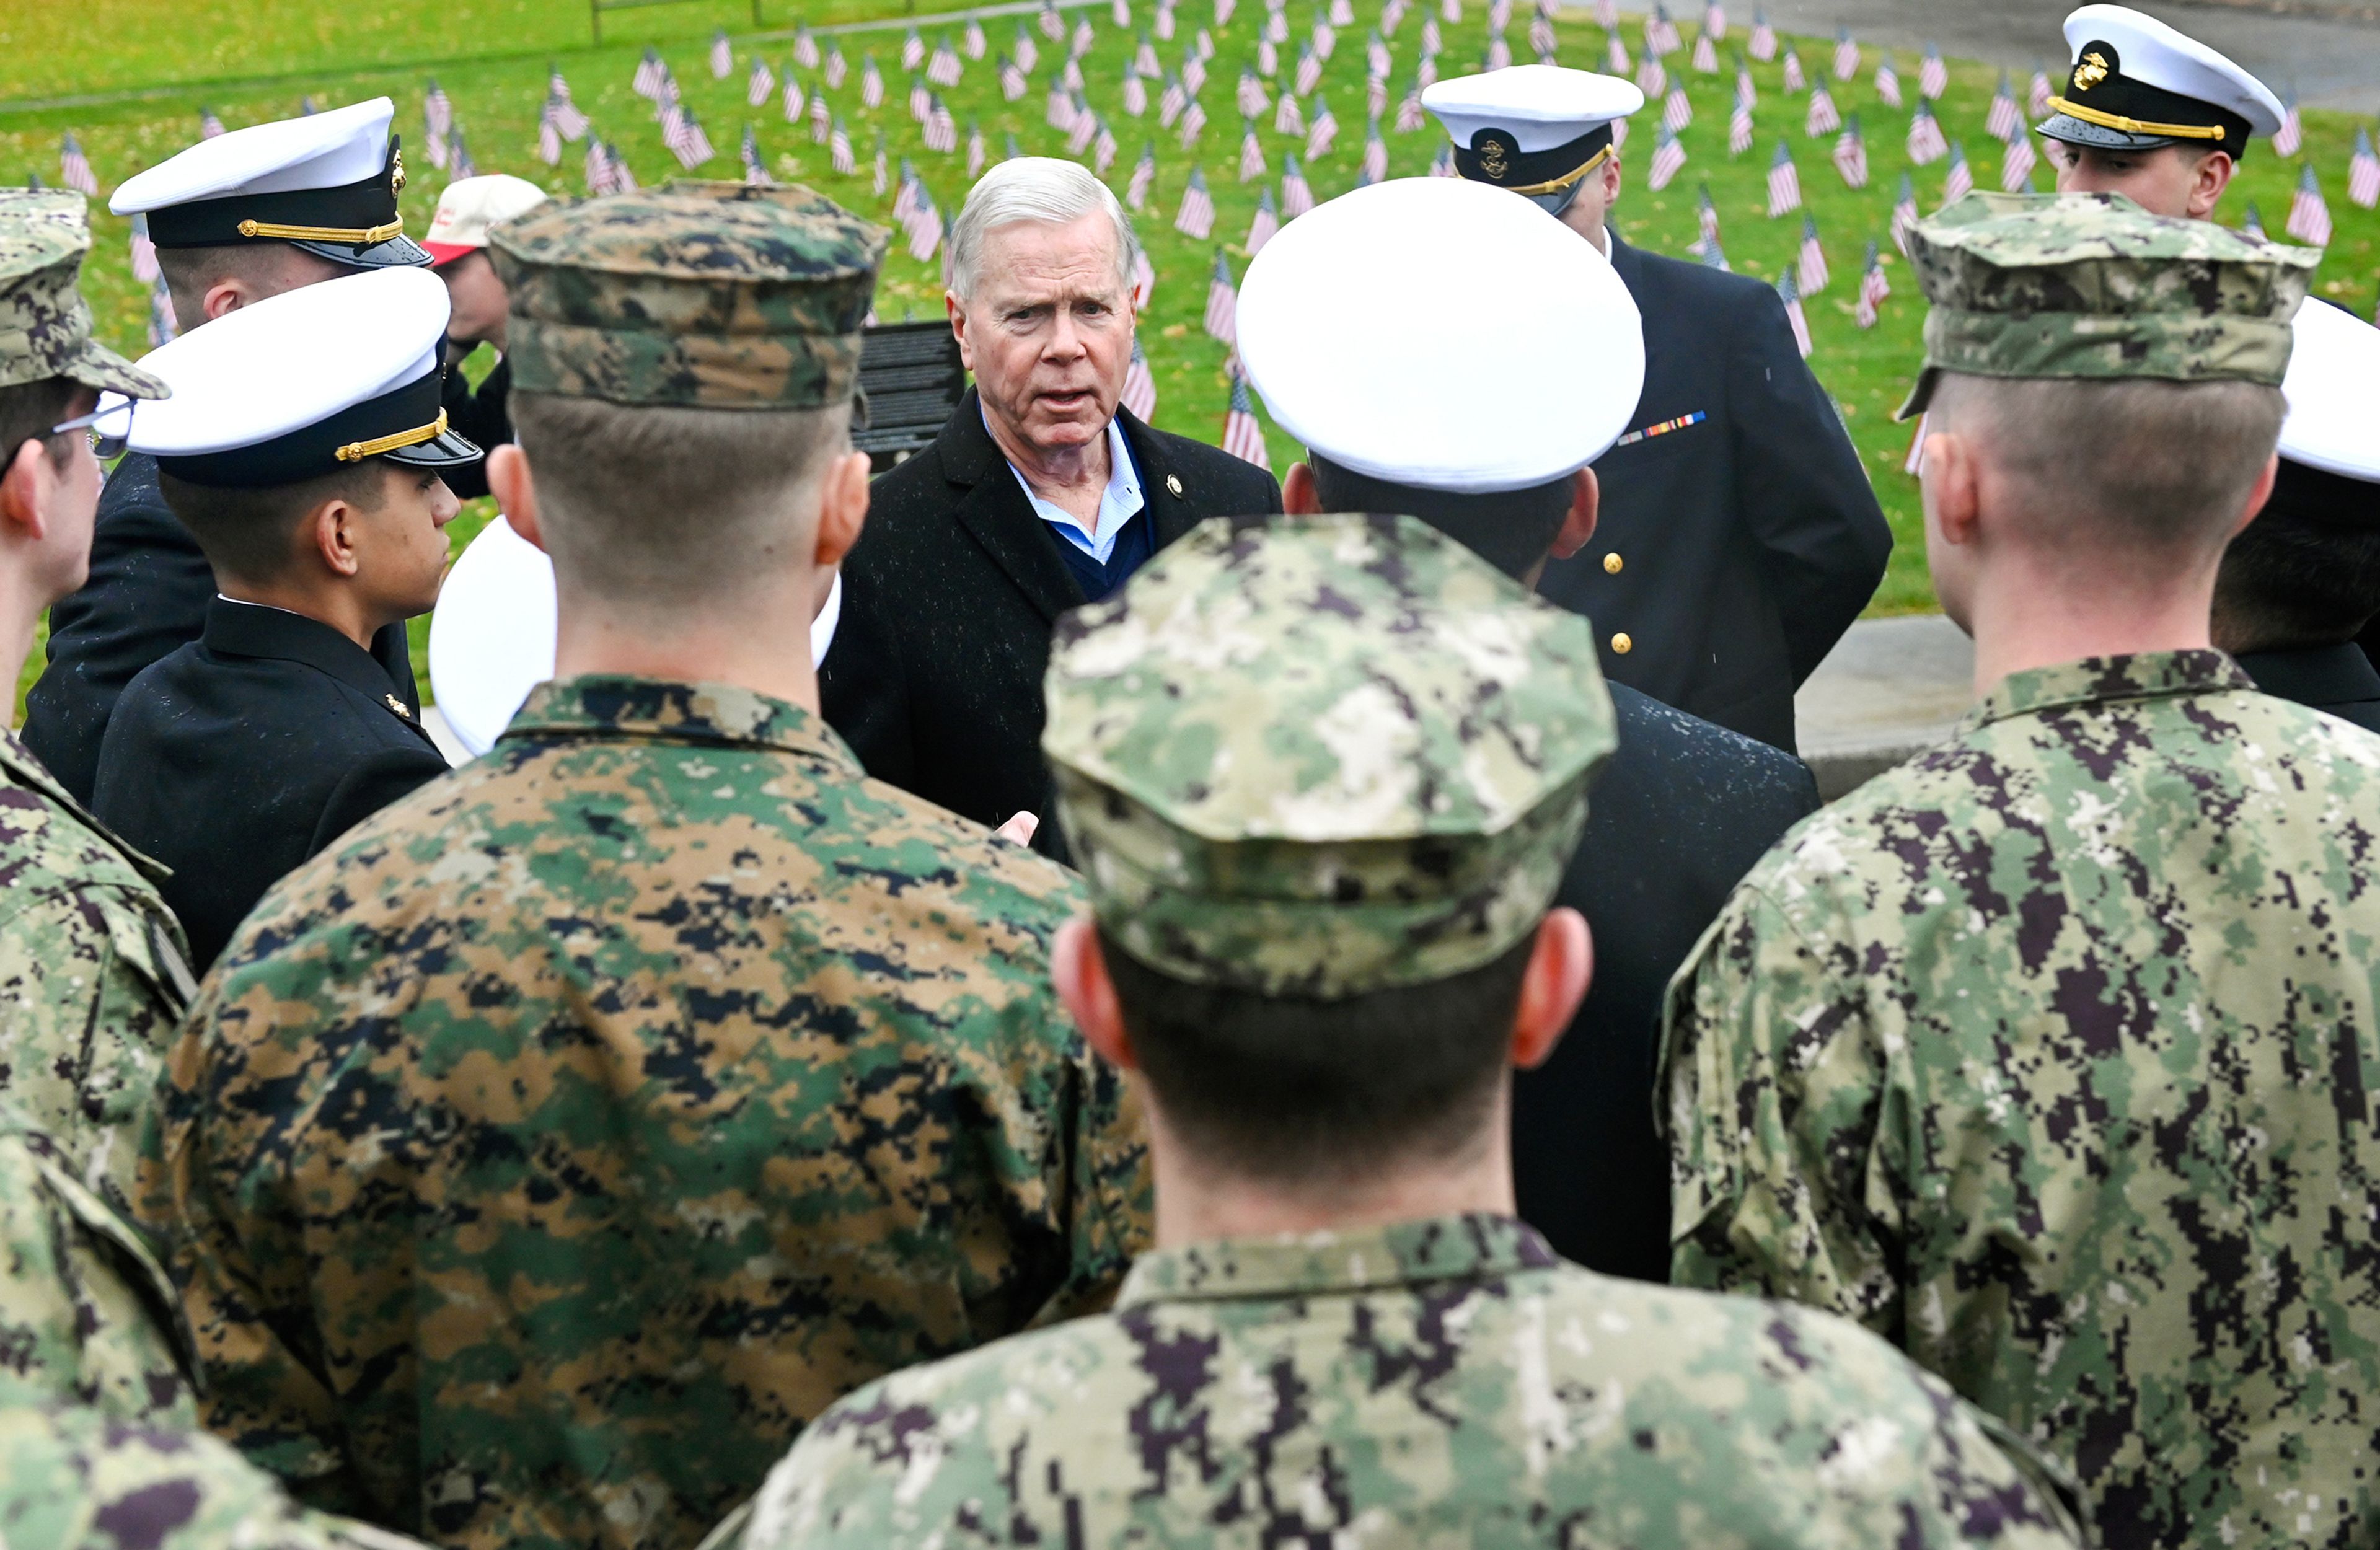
2332	389
304	383
1535	129
1433	332
2137	83
326	182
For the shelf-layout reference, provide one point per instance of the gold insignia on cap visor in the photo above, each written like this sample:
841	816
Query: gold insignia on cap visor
2091	72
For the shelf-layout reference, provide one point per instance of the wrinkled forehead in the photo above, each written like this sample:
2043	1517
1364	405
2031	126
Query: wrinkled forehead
1047	261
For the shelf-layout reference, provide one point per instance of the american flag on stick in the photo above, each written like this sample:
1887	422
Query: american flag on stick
1164	23
2363	172
1196	218
1375	153
209	125
460	164
2001	122
1375	96
1962	179
1926	145
144	251
651	73
1223	9
1873	288
549	141
1296	198
972	41
1615	56
1053	25
1541	37
941	128
1904	214
925	226
1194	121
1252	156
1083	37
1144	280
805	49
1139	385
1661	33
1933	76
1739	126
1409	110
1430	41
1652	76
1669	160
598	168
1253	98
2253	223
1243	438
569	121
1120	12
1082	127
943	70
1308	74
1715	257
1677	109
759	84
722	57
795	101
1223	303
1887	83
1287	118
754	169
1342	13
976	154
1266	225
1442	165
1764	37
1607	14
1847	54
2309	219
1143	173
1325	41
162	327
1058	112
1793	78
2291	136
2036	95
1791	294
1103	148
623	180
1851	154
1811	268
872	83
1784	183
1170	106
883	178
839	148
74	167
2016	164
822	119
1706	219
1321	131
1194	73
1426	73
1822	118
838	69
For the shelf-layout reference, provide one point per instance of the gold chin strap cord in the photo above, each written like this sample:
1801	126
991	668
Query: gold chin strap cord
1556	184
359	236
356	451
2135	126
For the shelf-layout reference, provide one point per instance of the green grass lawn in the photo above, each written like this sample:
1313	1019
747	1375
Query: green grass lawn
492	56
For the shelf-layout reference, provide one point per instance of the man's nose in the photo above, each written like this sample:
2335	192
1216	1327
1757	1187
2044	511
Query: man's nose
1065	338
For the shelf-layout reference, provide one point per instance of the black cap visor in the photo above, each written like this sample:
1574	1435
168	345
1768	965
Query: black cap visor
448	449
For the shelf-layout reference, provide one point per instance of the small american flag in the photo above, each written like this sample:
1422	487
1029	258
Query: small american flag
1430	40
1904	214
1669	160
1426	73
623	180
1342	13
1791	294
1375	153
761	84
1376	59
838	69
1196	218
1933	76
1287	118
1874	289
1793	78
2253	223
651	73
2292	137
598	168
144	251
1028	53
1715	19
1053	25
921	99
2363	172
1011	154
1136	90
1652	76
1847	54
1321	131
1252	156
1326	40
1276	32
1851	155
754	169
1253	98
1164	23
1744	87
1375	96
1392	16
1011	80
1083	37
1499	53
1266	225
1961	180
1764	37
2001	122
2016	164
1822	118
941	128
1442	165
1140	386
805	49
1143	173
976	154
1926	145
2036	96
1296	198
839	148
795	101
1619	135
549	141
1661	32
1243	438
723	57
162	328
1194	120
1170	106
437	112
1409	110
1739	126
1223	9
1060	112
1706	219
1812	267
924	227
1706	55
872	83
913	50
567	119
1308	73
1223	303
1103	148
462	165
1887	83
1144	280
1615	55
690	144
2308	212
1541	37
1715	257
1194	73
822	119
882	179
1784	183
74	167
1677	112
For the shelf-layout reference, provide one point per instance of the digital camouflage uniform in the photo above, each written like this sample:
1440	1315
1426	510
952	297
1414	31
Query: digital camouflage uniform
546	1153
1330	756
92	969
2050	1054
74	1478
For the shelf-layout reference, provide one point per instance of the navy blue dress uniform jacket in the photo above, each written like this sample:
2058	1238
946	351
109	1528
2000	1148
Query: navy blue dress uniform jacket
1675	820
148	593
1733	553
246	751
934	677
2338	680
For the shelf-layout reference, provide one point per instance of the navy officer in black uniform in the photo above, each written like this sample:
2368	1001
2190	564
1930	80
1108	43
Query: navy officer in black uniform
303	448
243	216
1739	536
1485	433
2302	578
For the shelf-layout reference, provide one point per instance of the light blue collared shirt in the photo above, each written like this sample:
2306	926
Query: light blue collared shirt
1118	503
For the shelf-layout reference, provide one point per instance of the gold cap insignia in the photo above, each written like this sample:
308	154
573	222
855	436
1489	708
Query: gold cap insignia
396	173
1492	160
2091	72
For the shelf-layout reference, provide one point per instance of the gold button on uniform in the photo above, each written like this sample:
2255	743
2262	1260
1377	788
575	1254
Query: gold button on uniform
1611	565
1620	642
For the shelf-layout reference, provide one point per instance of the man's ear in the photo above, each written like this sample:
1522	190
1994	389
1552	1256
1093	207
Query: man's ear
227	296
1586	498
1079	973
957	311
1298	496
1611	179
2215	170
336	529
1949	473
1561	965
29	484
843	508
515	491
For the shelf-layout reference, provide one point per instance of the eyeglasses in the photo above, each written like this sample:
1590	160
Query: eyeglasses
105	445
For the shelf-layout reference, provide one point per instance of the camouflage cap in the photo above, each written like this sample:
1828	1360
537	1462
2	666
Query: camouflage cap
2092	285
45	322
1322	755
704	296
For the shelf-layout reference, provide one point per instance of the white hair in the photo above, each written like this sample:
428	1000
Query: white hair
1042	189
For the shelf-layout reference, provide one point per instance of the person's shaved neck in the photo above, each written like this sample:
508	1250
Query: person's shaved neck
207	283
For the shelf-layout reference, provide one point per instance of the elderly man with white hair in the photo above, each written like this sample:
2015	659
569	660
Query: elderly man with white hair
1041	494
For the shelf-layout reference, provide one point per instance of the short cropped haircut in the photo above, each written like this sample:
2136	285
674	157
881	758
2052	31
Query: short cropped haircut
2135	467
2306	572
27	412
671	506
1511	529
191	272
1288	1089
1041	188
250	535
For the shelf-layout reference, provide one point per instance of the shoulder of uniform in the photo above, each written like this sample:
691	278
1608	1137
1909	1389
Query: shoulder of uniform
51	853
900	819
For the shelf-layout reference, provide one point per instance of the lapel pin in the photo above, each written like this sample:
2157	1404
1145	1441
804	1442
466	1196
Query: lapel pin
1173	483
398	706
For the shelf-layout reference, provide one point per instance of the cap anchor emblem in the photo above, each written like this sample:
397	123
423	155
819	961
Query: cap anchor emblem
1492	160
2091	72
396	172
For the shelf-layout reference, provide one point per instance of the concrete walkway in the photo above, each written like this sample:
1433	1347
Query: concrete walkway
1889	687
